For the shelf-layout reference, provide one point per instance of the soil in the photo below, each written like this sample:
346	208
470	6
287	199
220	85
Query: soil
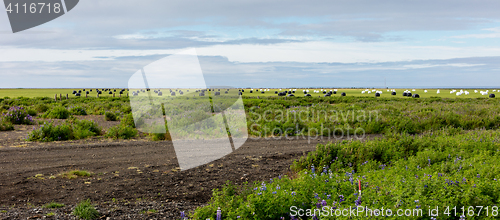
131	179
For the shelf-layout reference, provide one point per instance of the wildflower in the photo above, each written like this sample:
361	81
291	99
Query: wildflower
274	192
312	169
183	216
219	214
429	159
478	176
278	187
462	217
358	201
293	193
323	203
328	196
341	198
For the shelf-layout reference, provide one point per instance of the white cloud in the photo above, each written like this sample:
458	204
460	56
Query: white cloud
495	34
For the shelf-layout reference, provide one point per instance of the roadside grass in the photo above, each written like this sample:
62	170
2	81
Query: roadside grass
400	171
5	125
125	130
73	174
85	210
148	212
72	129
53	205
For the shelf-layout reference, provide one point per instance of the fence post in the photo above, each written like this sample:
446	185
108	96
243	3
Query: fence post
60	97
97	95
55	98
67	96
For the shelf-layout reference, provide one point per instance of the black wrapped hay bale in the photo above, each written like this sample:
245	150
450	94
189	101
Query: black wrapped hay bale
172	93
409	94
77	94
251	91
111	93
291	95
289	92
405	94
327	95
275	92
307	95
492	95
334	92
293	91
324	92
74	92
416	96
393	93
240	93
226	92
87	92
160	93
343	94
202	94
262	92
377	94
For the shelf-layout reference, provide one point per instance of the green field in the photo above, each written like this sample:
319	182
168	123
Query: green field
444	93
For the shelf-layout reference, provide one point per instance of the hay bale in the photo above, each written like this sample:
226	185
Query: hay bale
492	95
343	94
172	93
290	95
405	94
327	95
160	93
74	92
334	92
307	95
262	92
226	92
393	93
87	92
416	96
377	94
409	94
77	94
84	90
324	92
251	91
202	94
275	92
240	93
110	92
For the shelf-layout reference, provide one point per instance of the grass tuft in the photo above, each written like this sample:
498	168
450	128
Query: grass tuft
86	210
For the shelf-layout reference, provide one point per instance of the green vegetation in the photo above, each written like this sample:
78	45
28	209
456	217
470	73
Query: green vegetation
19	116
50	214
124	130
5	125
53	205
150	211
72	129
110	116
75	174
446	168
78	111
86	210
57	113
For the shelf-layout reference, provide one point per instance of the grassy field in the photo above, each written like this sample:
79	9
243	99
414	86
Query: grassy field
444	93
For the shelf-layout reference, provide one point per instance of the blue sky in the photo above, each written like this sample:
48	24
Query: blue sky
262	43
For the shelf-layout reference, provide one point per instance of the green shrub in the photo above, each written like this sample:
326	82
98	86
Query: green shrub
121	132
78	111
5	125
72	129
110	116
73	174
53	205
41	108
86	210
18	115
128	120
57	113
31	112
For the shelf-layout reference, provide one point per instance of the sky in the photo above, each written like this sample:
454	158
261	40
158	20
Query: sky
257	43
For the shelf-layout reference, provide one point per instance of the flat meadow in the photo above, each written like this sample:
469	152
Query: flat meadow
433	157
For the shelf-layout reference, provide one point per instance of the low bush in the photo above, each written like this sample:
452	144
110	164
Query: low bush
72	129
75	173
53	205
19	115
41	108
86	210
121	132
110	116
5	125
57	113
78	111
